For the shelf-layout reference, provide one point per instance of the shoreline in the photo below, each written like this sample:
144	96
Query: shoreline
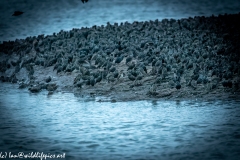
112	97
189	58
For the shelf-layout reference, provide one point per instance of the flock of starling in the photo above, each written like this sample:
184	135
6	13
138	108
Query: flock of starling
180	53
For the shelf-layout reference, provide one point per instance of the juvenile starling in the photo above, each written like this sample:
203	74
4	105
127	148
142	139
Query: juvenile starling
17	13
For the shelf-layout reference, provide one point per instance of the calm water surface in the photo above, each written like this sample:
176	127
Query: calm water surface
85	129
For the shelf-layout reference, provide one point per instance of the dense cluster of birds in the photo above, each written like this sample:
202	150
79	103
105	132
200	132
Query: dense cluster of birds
195	48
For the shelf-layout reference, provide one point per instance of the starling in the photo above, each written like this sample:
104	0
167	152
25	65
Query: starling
84	1
92	81
128	59
115	74
99	78
131	66
48	79
131	77
17	13
112	69
119	59
178	86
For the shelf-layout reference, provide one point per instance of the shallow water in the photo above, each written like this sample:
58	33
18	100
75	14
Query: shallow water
84	128
48	16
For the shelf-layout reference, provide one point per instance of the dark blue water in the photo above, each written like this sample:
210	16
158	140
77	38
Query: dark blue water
48	16
84	128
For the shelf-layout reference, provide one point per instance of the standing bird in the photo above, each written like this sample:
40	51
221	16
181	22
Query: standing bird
178	86
17	13
153	90
131	66
119	59
99	78
128	59
176	77
92	81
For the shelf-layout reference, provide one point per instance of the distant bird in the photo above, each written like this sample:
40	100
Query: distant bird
84	1
119	59
227	84
115	74
92	81
131	66
153	89
99	78
178	86
112	69
120	75
131	77
128	59
176	77
17	13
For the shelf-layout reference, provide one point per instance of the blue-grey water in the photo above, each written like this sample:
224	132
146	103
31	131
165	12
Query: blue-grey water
83	128
48	16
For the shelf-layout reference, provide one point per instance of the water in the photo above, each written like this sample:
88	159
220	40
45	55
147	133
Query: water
48	16
83	128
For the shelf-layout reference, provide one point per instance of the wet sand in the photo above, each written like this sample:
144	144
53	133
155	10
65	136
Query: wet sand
189	58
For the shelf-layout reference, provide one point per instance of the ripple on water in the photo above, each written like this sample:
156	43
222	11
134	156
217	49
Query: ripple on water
121	130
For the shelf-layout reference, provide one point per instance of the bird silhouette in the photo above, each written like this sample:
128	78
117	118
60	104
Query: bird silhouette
84	1
178	86
17	13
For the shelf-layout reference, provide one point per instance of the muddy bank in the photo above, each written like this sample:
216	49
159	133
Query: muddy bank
189	58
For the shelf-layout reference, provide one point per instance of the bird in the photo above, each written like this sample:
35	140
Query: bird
176	77
119	59
84	1
131	77
92	81
131	66
112	69
48	79
227	84
153	89
158	80
110	78
115	74
17	13
121	75
128	59
100	77
178	86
